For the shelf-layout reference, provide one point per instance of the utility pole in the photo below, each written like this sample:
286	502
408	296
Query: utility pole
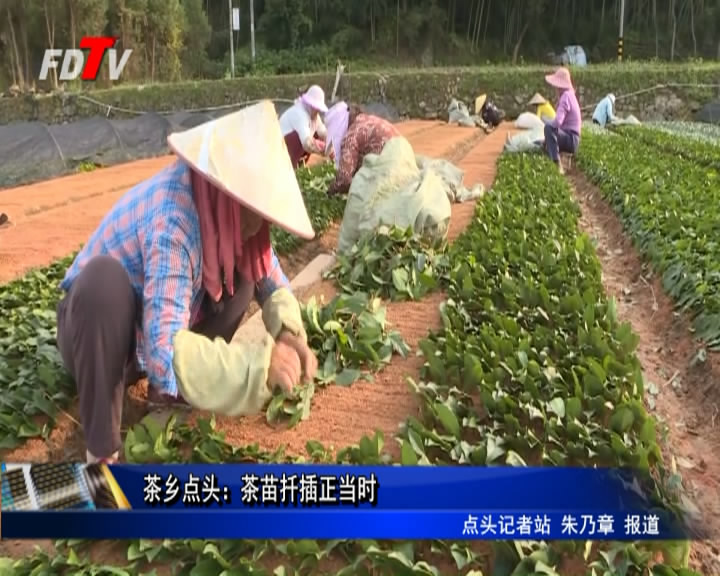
232	42
252	30
622	31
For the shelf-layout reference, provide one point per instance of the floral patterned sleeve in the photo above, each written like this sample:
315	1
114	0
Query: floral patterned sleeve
349	160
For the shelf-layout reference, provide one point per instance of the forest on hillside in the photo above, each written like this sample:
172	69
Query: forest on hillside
187	39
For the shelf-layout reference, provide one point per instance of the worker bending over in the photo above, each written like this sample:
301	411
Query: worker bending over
352	135
604	113
302	127
162	284
543	109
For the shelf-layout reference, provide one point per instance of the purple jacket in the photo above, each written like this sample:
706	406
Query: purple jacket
568	116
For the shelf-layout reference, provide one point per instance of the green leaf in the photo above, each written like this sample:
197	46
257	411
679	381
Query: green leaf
557	407
408	457
347	377
448	419
622	419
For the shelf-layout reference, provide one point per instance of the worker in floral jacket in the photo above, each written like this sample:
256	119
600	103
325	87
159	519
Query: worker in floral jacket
353	135
167	277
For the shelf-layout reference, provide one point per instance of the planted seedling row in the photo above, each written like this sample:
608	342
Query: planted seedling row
351	339
532	365
696	130
666	207
703	152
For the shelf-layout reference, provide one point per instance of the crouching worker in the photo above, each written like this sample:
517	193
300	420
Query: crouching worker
302	128
352	135
543	108
167	277
604	114
563	133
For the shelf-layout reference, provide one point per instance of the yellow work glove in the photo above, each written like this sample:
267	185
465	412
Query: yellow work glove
229	379
281	311
232	379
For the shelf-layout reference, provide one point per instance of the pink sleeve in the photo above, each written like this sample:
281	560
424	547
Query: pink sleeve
562	110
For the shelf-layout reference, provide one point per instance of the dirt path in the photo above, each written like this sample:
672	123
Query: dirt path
683	395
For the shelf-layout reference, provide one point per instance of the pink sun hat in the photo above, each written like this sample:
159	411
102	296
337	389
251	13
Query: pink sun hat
560	79
315	98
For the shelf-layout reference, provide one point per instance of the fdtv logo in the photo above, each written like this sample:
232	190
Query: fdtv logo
73	61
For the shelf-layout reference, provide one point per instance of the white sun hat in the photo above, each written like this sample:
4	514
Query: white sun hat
537	100
244	154
315	98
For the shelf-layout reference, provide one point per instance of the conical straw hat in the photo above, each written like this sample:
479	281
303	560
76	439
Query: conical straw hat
537	100
480	102
244	155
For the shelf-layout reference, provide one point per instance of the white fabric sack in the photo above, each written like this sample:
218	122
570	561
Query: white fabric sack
528	121
394	188
528	141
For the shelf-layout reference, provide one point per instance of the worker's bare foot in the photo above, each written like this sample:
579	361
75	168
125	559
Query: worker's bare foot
560	168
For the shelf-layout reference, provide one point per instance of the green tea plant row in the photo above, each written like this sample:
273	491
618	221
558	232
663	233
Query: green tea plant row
667	207
532	365
696	150
33	383
696	130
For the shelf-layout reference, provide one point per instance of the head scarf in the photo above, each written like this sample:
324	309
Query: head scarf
337	121
611	97
224	249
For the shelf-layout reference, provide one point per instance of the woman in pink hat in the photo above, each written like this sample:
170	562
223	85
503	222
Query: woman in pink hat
352	135
562	134
302	127
163	283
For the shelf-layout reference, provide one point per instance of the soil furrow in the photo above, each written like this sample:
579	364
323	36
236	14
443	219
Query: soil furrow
682	394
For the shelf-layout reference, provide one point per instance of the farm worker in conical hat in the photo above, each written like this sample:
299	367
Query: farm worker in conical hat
543	108
302	127
168	275
563	133
604	112
352	135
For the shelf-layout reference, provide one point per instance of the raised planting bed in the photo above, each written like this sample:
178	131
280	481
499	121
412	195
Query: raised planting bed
697	130
34	384
666	204
701	151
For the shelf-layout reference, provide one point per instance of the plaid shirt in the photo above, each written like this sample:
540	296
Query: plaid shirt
366	135
154	232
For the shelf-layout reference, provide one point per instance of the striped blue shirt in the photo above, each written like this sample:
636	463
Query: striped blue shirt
154	232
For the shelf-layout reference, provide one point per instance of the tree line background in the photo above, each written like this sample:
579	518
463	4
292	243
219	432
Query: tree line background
187	39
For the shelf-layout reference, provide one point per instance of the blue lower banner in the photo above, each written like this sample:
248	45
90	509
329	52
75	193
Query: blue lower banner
66	500
339	523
